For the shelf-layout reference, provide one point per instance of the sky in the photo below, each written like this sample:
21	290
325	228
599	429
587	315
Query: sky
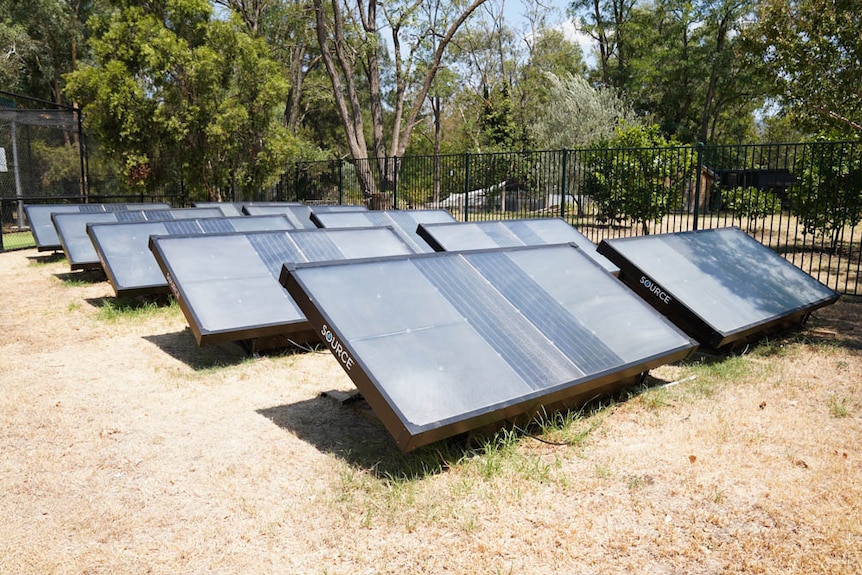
514	12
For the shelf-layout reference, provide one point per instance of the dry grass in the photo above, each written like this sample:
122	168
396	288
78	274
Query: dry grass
125	448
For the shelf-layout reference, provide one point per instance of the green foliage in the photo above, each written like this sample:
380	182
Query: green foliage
40	40
828	195
498	123
639	177
175	93
751	204
580	115
60	166
113	311
813	50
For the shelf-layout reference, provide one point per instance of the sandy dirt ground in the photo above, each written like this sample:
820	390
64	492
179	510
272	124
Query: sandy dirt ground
126	448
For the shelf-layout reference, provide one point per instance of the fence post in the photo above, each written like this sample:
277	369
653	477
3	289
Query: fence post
395	182
563	183
340	181
697	185
466	186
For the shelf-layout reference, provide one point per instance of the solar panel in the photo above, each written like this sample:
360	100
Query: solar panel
299	214
463	236
39	216
720	285
227	284
228	209
405	222
446	342
123	248
72	229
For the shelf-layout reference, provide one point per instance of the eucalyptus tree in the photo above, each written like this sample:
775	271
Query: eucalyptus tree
581	114
353	36
174	92
608	23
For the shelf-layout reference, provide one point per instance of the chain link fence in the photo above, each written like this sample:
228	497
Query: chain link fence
44	159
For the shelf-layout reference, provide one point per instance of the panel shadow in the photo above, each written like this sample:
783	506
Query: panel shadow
183	347
352	433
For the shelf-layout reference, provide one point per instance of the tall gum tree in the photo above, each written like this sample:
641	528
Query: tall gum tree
351	39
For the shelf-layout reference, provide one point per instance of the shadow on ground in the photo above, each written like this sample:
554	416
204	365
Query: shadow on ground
47	257
82	277
837	324
183	347
352	433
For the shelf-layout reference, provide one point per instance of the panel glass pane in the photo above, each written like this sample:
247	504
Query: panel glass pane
259	301
448	340
255	223
429	381
223	261
402	286
510	233
724	276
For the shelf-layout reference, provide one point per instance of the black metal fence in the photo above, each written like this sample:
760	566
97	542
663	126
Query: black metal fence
803	200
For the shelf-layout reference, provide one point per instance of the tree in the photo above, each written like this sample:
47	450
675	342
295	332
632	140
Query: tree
637	176
498	125
550	52
828	197
813	50
581	114
40	40
607	22
350	40
175	93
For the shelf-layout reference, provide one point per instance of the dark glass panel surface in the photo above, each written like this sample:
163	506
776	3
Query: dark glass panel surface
442	343
463	236
208	274
128	262
39	217
723	278
404	222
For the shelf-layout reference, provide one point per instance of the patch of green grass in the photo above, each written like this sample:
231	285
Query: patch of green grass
115	310
838	407
710	374
603	471
18	240
635	482
77	280
770	348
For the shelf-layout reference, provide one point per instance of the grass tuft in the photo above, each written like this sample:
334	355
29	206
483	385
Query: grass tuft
838	407
122	309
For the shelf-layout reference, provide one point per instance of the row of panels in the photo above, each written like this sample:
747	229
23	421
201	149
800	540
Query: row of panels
445	327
